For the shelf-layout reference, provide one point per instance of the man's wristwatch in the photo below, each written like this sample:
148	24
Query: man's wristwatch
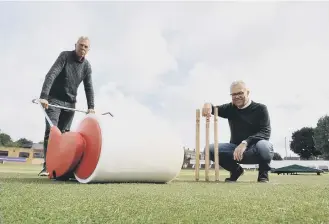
245	142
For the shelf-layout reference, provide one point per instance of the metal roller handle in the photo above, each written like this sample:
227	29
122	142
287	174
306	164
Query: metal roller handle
44	111
37	101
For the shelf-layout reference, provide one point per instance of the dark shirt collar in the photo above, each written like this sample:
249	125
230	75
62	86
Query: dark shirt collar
77	58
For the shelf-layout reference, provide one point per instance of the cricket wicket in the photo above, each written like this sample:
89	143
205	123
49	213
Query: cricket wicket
206	153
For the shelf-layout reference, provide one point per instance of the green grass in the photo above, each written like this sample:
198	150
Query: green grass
27	198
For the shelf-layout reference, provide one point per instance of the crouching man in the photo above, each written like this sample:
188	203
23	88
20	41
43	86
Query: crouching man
250	133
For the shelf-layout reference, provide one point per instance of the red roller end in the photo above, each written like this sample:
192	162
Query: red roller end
91	132
64	152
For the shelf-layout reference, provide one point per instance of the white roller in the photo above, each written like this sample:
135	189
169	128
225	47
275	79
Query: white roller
136	150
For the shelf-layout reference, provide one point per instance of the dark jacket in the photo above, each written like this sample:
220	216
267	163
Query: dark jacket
65	76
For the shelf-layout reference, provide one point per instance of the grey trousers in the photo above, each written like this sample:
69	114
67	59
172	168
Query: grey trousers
260	153
60	118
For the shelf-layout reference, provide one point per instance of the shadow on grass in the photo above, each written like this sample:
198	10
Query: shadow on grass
41	181
45	180
35	180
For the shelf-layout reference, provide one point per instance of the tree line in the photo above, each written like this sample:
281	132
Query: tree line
312	142
7	141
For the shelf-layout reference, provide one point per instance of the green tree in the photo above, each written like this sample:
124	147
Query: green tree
5	139
303	143
277	156
321	136
23	142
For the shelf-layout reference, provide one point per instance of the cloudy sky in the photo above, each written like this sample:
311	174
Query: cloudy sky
164	60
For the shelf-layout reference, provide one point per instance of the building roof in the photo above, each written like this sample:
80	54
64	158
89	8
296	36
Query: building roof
27	145
37	146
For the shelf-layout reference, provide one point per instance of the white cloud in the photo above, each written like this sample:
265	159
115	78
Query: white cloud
280	50
140	57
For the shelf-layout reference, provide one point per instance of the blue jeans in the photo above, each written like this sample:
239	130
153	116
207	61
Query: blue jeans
260	153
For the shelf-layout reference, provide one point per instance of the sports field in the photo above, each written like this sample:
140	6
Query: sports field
27	198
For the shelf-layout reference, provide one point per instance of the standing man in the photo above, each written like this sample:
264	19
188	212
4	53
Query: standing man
60	88
250	133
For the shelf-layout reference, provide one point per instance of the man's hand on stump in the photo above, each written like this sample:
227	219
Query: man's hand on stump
206	110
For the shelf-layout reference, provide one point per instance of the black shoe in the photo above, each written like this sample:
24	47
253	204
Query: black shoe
235	175
66	177
263	177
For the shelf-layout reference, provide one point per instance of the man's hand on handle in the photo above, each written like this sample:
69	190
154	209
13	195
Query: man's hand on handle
206	110
44	103
91	111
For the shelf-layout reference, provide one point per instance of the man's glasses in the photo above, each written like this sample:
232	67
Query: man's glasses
237	94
